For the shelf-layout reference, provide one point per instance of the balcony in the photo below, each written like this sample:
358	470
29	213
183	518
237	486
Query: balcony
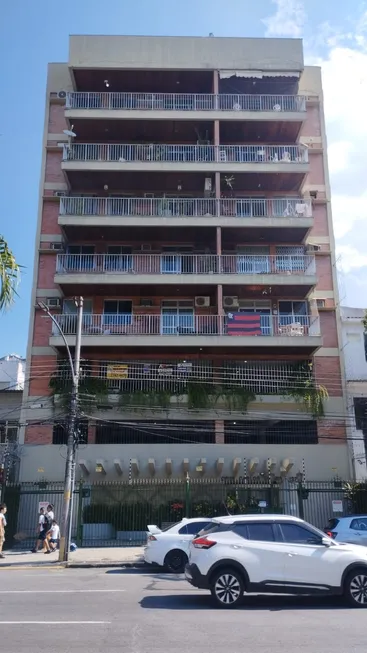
236	212
180	106
179	269
116	157
253	330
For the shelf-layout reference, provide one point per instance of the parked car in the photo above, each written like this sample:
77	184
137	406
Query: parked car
169	547
348	529
274	554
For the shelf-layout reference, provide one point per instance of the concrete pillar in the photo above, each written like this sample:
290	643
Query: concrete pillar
219	431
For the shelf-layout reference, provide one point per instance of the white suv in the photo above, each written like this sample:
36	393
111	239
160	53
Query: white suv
274	554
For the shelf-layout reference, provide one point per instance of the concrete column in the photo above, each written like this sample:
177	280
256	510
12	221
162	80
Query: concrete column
216	132
91	433
216	86
219	431
217	191
220	300
219	241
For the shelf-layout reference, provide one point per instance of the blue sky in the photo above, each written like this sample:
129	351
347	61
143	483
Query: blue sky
34	33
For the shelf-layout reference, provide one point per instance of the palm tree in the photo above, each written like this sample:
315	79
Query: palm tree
9	275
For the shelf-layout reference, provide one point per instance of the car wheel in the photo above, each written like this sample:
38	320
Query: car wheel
355	588
175	561
227	588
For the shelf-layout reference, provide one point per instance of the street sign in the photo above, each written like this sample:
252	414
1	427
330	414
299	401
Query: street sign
337	505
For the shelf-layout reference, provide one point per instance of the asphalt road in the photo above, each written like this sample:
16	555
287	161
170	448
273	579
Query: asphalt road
94	610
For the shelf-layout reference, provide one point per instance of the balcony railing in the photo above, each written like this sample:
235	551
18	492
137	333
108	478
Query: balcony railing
172	263
185	102
242	207
230	325
127	153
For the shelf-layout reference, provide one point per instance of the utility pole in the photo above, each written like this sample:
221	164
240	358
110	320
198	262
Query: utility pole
69	483
72	442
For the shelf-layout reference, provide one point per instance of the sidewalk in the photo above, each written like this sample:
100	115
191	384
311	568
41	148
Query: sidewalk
85	557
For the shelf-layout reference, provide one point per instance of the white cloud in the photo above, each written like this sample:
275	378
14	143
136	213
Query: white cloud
351	258
288	20
341	51
339	155
347	210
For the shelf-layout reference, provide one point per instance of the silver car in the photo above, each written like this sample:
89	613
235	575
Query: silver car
351	529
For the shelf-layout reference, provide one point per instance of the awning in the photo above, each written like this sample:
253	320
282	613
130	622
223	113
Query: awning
258	74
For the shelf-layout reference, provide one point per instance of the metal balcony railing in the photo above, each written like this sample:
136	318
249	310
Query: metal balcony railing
149	153
230	325
185	102
172	263
242	207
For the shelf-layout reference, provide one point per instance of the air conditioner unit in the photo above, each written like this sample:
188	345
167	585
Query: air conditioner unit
310	249
202	301
146	247
320	303
59	193
59	247
61	95
53	302
230	302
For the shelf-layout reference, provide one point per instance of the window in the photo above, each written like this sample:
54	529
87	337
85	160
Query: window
194	528
118	259
359	524
69	307
295	534
259	532
117	312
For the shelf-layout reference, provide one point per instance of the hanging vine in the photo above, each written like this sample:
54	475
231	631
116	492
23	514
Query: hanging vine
302	387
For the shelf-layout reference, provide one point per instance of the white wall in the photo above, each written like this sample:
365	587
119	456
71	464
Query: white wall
12	372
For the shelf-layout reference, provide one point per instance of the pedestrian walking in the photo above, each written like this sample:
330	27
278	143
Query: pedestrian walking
49	518
45	522
3	510
54	535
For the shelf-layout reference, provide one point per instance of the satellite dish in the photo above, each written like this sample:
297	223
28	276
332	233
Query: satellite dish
69	133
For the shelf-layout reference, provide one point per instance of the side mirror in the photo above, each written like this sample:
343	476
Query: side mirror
325	541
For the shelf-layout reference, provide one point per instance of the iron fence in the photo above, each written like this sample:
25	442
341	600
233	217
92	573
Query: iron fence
138	152
241	207
189	324
117	513
186	264
185	102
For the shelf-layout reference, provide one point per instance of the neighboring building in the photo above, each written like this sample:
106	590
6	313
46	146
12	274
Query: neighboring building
355	356
12	376
189	205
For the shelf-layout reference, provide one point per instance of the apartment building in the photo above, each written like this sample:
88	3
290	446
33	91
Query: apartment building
185	196
12	376
355	353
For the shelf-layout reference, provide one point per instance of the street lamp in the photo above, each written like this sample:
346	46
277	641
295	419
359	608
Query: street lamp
72	442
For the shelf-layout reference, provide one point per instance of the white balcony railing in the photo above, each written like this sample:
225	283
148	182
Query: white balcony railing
242	207
171	263
230	325
127	153
185	102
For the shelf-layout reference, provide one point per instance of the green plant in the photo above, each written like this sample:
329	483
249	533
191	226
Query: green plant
153	399
200	395
356	494
236	397
91	389
302	387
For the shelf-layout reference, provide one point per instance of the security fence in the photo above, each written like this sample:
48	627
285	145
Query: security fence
117	513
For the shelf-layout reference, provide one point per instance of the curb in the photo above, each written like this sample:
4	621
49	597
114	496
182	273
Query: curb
141	566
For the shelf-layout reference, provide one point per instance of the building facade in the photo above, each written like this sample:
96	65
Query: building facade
355	355
185	196
12	377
